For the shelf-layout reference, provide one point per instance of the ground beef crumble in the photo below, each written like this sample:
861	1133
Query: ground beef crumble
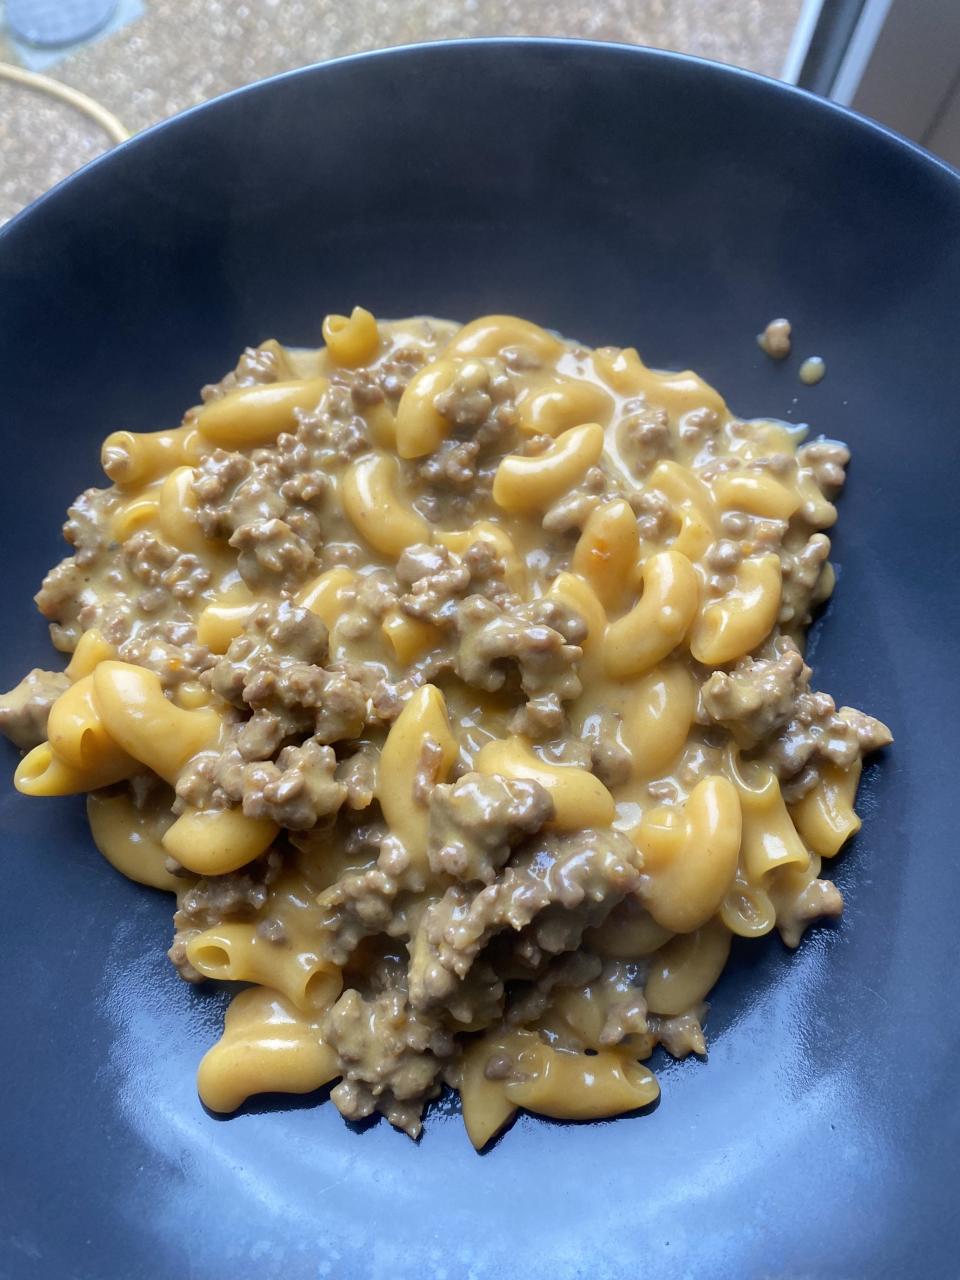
274	666
476	821
769	700
258	366
390	1056
24	711
538	640
479	406
555	887
241	895
296	790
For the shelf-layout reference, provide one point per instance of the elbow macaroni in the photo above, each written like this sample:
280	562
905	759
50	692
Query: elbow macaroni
351	340
266	1045
368	609
420	426
739	622
562	405
606	551
236	953
177	512
372	500
421	725
690	857
658	622
145	724
526	483
824	818
580	799
256	415
573	1086
212	842
131	839
135	458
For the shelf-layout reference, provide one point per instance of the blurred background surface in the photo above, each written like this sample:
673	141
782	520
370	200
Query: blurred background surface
148	59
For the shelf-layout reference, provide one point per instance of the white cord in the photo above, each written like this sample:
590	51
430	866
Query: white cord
107	121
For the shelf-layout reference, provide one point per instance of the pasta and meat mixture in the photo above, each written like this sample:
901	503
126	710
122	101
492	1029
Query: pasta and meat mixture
452	678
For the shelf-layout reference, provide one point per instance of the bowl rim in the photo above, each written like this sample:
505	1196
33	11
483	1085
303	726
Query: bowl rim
430	48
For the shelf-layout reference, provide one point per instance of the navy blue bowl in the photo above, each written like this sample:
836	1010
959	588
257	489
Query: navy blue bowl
625	197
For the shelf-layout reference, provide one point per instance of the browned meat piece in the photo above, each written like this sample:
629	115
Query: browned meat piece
62	595
538	638
175	660
88	524
540	717
358	905
212	779
232	492
722	558
342	712
458	475
655	516
385	697
699	427
296	791
364	902
327	436
270	555
390	1056
358	773
368	604
476	822
531	1001
398	368
573	510
274	667
24	711
557	886
74	593
819	732
614	1007
592	872
467	401
644	437
807	580
273	504
260	736
626	1009
827	459
759	695
610	757
257	366
680	1034
479	401
276	634
437	581
149	560
767	703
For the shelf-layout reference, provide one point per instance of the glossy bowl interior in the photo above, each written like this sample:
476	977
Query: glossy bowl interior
621	196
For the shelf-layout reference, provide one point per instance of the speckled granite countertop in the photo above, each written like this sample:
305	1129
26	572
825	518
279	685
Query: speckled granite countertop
181	52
